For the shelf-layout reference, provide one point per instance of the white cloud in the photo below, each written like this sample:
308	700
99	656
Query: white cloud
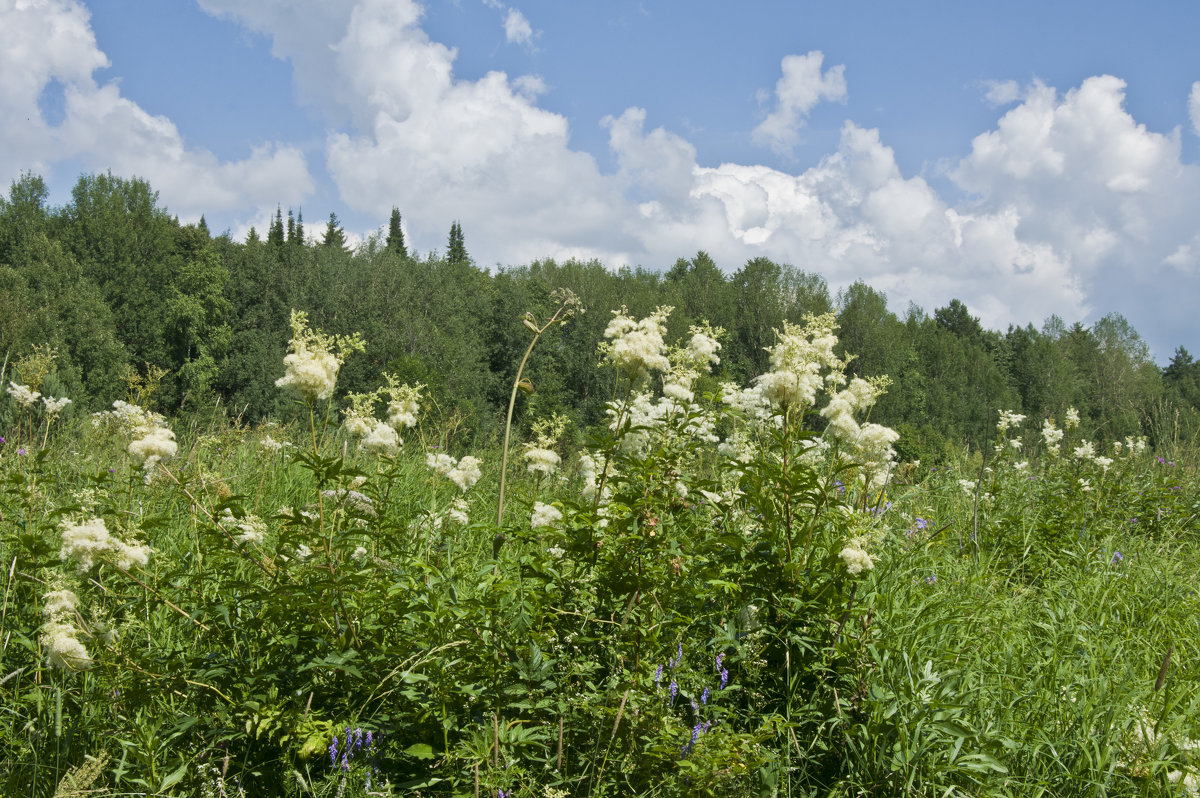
1194	107
802	86
517	29
1003	92
53	41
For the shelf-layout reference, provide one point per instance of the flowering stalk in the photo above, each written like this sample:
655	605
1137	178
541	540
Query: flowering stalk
569	305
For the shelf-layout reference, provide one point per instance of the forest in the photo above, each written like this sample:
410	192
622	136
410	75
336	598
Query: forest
117	287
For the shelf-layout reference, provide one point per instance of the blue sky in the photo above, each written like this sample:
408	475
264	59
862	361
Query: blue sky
1027	158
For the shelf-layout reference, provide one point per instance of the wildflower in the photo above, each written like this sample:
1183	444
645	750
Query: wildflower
637	346
856	558
251	529
270	445
658	675
85	542
59	603
312	364
156	444
380	439
23	394
458	512
1117	558
544	515
704	696
796	363
1085	451
64	651
541	461
673	690
404	403
1072	419
440	462
1008	419
54	406
466	474
1051	435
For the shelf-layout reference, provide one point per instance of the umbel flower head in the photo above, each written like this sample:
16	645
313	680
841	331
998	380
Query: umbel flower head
314	358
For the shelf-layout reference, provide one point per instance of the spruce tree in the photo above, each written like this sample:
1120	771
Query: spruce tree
395	238
291	228
300	227
275	233
456	250
334	236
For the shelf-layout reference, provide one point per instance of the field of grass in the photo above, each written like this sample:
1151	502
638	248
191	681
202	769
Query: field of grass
727	591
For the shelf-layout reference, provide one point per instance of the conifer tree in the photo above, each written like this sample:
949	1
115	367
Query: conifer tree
456	250
334	235
275	233
395	238
291	228
300	227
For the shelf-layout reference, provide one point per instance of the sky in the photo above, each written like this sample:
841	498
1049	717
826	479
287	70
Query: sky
1027	158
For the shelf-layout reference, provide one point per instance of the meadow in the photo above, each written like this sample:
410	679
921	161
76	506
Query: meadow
725	590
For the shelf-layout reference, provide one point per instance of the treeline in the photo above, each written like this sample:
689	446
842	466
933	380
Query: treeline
118	286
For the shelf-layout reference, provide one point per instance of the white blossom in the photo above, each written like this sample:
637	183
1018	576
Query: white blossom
23	394
544	515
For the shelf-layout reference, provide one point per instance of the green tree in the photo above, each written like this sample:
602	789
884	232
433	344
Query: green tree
456	249
275	235
335	237
395	236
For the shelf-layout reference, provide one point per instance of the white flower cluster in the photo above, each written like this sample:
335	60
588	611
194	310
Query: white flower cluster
636	347
1131	448
380	439
271	446
797	360
464	473
250	528
1072	418
89	542
63	649
544	515
23	394
403	405
1052	436
588	474
1008	419
457	513
312	363
856	558
54	406
59	637
541	461
155	445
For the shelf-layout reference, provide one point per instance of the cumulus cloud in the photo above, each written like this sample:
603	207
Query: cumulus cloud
797	92
51	43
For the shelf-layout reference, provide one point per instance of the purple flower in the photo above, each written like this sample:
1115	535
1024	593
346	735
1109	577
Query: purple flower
370	738
21	451
673	689
658	676
704	696
931	579
346	761
1117	558
724	678
920	523
333	748
358	739
720	659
